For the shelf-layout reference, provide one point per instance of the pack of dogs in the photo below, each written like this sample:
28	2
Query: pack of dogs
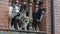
21	22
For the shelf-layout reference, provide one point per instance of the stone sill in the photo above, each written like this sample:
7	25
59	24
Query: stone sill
40	32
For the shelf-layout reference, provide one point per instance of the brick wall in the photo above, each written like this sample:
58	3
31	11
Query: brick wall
46	22
48	16
43	22
57	16
45	25
3	14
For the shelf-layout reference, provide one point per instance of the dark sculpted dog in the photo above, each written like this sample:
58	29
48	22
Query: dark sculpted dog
16	22
37	16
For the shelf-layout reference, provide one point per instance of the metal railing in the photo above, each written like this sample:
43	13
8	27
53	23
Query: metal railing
20	32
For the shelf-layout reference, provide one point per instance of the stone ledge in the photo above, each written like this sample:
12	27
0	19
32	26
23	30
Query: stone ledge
40	32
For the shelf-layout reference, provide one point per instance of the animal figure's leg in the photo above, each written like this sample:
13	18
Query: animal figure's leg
11	23
15	25
23	26
26	22
20	27
37	27
26	25
20	24
10	26
34	25
33	28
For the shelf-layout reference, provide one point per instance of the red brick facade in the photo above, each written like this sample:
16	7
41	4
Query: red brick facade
4	14
48	16
57	16
45	25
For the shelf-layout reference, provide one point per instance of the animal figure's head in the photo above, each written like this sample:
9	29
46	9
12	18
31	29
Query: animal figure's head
43	10
40	12
25	19
23	7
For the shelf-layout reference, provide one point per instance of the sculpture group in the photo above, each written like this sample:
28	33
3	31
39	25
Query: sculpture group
18	19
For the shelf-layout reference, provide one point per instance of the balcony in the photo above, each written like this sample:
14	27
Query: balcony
20	32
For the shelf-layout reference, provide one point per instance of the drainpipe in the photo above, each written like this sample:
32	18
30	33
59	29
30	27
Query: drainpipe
52	17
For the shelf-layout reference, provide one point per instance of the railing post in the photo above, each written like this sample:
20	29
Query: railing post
10	12
16	6
37	7
10	8
30	14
